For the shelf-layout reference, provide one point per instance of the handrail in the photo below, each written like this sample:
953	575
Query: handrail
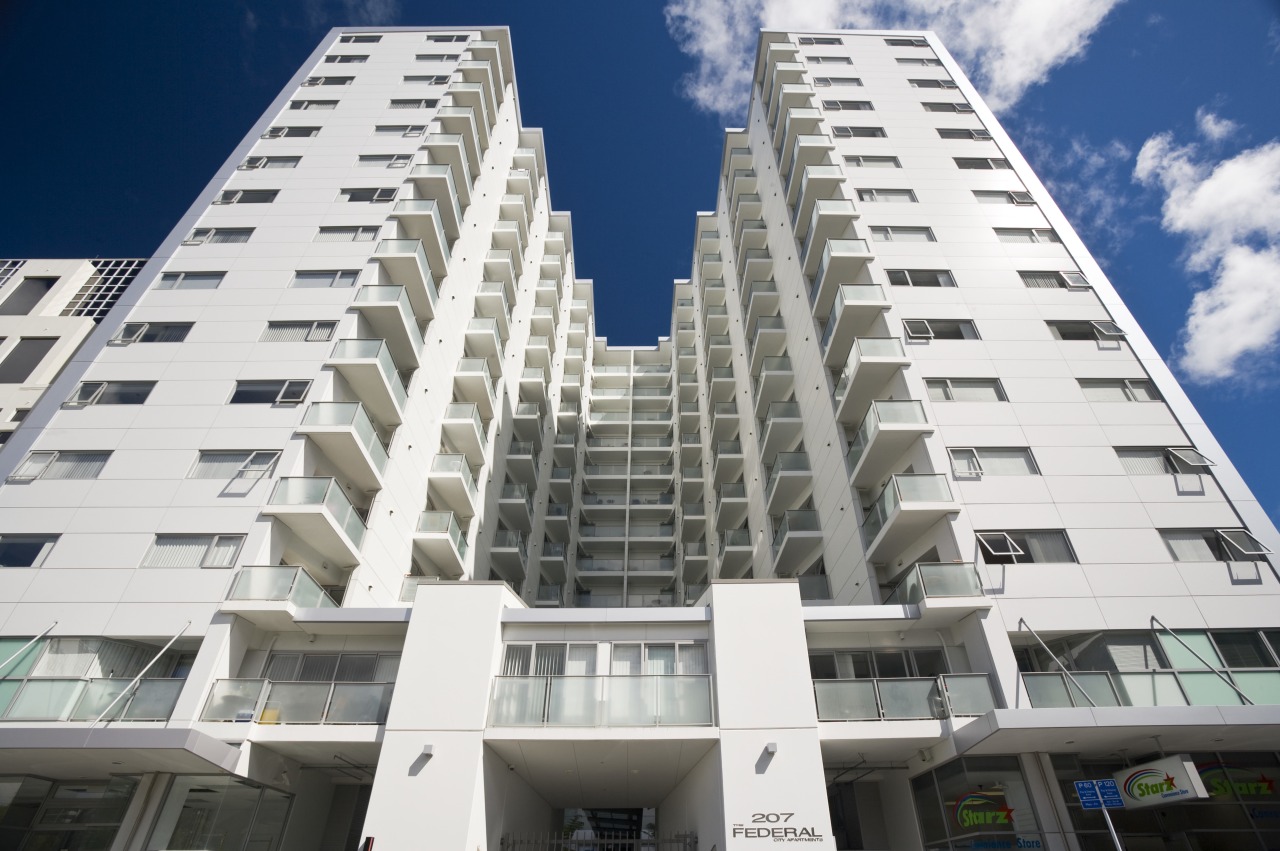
1155	621
135	680
1023	622
23	648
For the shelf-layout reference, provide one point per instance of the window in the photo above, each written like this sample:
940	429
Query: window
105	286
1002	197
328	81
1213	545
384	160
965	390
1026	236
1157	461
981	163
921	278
906	42
940	329
347	58
822	40
886	663
25	295
959	133
823	82
368	667
901	234
858	132
872	162
23	358
359	39
235	464
270	392
1118	390
269	162
363	233
933	84
828	60
368	195
152	332
448	38
1098	330
190	280
1032	547
60	465
193	551
887	196
399	129
428	79
413	103
948	106
320	105
298	332
1054	280
973	461
929	62
110	393
847	105
19	415
327	278
438	57
291	132
247	196
218	236
25	550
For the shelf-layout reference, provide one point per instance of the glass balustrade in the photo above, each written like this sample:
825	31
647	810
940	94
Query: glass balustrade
317	491
903	699
349	415
936	579
444	522
602	701
283	583
271	702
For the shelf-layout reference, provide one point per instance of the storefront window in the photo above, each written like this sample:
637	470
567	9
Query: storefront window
82	815
976	803
218	813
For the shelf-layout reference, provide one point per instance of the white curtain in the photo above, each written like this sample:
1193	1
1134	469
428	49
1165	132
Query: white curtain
286	332
224	236
356	668
1007	462
1104	391
178	551
223	551
1144	462
388	669
693	659
1044	547
626	660
1041	280
318	668
516	663
581	660
981	390
67	657
1189	545
219	465
282	667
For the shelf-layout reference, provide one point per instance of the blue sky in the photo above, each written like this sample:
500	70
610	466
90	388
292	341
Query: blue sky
1155	124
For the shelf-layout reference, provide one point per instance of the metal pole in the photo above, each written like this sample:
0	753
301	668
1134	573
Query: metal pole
24	647
1021	623
1156	621
1112	828
129	687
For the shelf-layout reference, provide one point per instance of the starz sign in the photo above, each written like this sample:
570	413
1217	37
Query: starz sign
1164	781
983	812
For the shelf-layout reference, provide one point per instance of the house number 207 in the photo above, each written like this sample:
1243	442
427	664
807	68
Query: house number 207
770	818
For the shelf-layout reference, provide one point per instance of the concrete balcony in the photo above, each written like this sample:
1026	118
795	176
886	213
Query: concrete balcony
794	123
710	265
842	260
856	308
557	518
473	383
760	298
727	464
731	505
789	482
529	160
780	70
461	121
435	181
942	593
909	506
464	431
481	73
538	349
546	293
520	182
724	420
817	211
509	555
368	367
904	699
602	701
509	237
757	265
500	266
873	362
348	438
767	339
775	382
888	430
753	236
549	597
717	318
449	149
389	313
527	421
269	597
405	261
693	521
533	385
543	320
491	303
783	430
439	539
830	219
797	542
808	150
722	383
735	553
318	511
473	96
694	560
450	483
515	506
268	702
421	219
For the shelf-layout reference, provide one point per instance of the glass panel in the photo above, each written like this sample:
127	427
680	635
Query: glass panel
518	701
574	701
358	703
630	702
98	695
1184	659
969	695
684	700
1263	687
233	700
46	700
154	700
1047	691
294	703
269	822
912	698
1149	689
1242	650
206	812
1206	688
1097	685
22	663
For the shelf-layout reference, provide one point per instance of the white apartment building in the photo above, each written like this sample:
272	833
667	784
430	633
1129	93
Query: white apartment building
47	309
345	529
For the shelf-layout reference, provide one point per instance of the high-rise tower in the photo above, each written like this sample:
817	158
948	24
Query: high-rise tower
344	524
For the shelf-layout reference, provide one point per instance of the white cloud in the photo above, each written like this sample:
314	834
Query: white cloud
1229	212
1214	127
1007	46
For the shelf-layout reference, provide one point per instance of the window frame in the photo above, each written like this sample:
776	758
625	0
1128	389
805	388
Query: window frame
358	231
1126	385
247	196
47	543
928	332
293	391
831	82
893	196
359	38
264	162
49	458
1227	545
384	160
337	276
79	399
991	164
819	41
985	548
377	195
842	131
845	106
405	131
1038	236
248	469
881	161
978	471
205	236
945	83
124	338
178	280
327	80
888	230
946	385
286	132
346	58
211	547
314	328
909	274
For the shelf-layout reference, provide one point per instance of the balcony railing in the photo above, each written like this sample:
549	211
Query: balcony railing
800	520
1153	688
85	699
280	584
602	701
373	351
903	488
268	702
352	415
814	587
936	580
321	491
444	523
904	699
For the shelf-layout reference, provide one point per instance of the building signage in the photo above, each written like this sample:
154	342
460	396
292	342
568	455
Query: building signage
1228	781
775	827
1164	781
976	811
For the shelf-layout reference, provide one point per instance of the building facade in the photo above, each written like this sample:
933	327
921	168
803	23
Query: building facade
346	526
